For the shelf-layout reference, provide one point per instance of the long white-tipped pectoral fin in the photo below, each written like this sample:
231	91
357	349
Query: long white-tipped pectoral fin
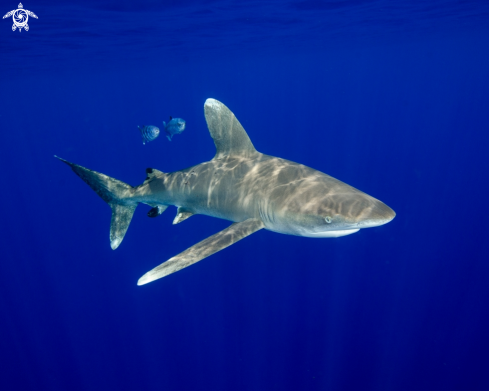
203	249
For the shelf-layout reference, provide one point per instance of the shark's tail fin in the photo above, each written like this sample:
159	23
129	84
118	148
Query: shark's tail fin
116	193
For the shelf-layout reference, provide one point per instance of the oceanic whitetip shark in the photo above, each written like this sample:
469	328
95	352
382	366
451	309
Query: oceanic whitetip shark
242	185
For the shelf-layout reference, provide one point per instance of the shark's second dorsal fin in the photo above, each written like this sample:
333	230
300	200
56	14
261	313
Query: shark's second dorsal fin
228	134
152	172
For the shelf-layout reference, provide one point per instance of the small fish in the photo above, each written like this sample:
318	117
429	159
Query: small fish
149	133
174	126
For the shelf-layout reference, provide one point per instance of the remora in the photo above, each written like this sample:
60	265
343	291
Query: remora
242	185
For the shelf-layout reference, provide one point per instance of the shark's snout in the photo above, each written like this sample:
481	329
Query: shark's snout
377	214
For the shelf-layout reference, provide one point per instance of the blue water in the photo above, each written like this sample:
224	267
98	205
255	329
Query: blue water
391	97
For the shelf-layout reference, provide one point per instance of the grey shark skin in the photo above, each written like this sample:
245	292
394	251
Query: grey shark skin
242	185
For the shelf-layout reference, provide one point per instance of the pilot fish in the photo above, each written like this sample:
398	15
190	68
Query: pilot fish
174	126
149	133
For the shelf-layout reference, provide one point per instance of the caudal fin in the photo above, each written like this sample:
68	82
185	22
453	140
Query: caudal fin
116	193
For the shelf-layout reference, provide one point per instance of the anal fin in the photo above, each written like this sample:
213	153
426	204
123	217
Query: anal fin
182	214
157	210
203	249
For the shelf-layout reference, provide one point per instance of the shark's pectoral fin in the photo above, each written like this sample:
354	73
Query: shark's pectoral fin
203	249
182	214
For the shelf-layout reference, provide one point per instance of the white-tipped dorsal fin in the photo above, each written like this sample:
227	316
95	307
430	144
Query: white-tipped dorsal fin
228	134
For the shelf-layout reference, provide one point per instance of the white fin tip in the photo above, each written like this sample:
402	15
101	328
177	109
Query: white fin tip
213	104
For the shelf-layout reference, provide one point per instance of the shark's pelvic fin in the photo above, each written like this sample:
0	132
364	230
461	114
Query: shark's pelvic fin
229	136
203	249
182	214
116	193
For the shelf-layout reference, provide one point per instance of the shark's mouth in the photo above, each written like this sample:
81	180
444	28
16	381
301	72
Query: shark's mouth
373	223
332	234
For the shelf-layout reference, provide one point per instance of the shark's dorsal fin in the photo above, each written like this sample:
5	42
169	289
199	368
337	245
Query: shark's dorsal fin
228	134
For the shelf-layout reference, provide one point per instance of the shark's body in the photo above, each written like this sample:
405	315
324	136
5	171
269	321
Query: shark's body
244	186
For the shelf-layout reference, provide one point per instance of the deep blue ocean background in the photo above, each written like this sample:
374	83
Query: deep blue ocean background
391	97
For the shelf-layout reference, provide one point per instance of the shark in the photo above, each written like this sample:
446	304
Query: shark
252	190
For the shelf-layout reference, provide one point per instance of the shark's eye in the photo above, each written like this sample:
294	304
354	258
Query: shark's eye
328	219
